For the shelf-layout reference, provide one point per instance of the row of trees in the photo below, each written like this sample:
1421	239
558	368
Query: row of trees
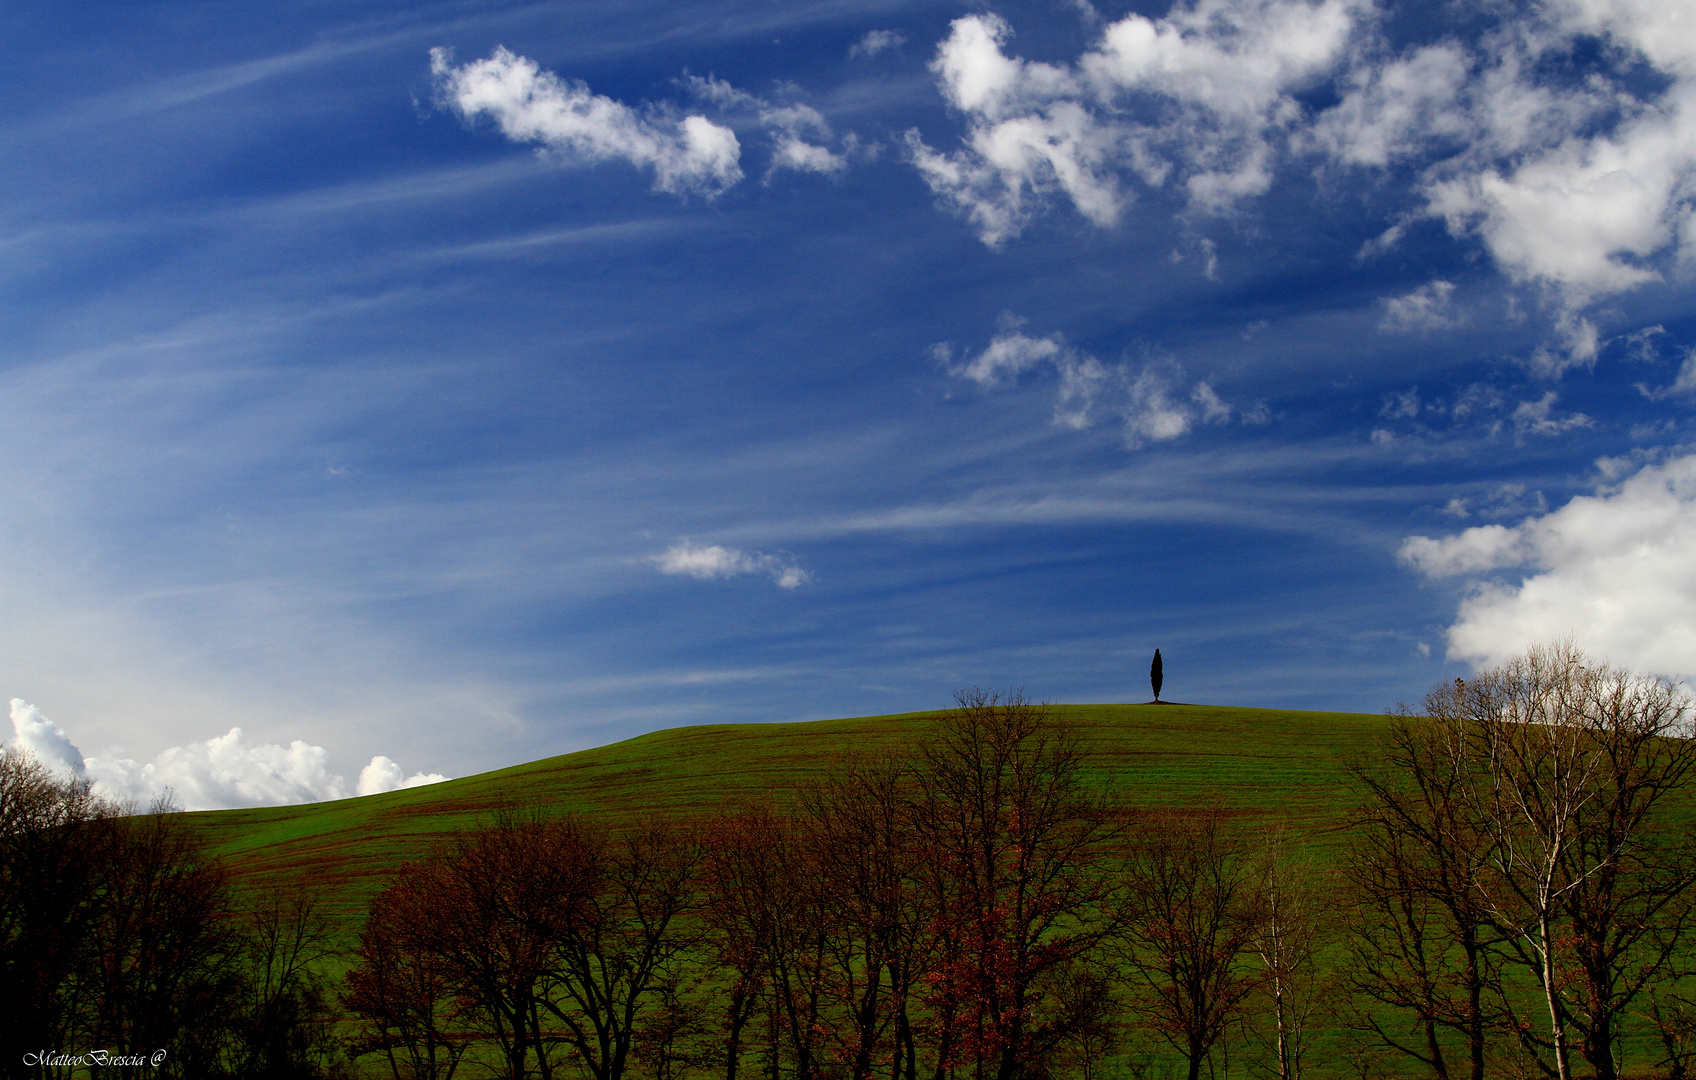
978	912
908	916
118	932
1515	897
1517	893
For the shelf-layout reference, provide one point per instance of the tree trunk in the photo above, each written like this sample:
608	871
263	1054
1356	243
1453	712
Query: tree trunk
1557	1028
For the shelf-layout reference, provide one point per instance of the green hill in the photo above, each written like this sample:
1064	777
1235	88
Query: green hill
1262	767
1266	765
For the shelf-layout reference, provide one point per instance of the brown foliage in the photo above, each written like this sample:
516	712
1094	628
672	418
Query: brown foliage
534	934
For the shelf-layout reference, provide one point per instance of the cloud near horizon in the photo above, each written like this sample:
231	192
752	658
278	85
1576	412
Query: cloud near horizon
216	774
1616	570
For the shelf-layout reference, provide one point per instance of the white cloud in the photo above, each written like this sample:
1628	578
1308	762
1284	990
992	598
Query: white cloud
790	126
1616	570
1029	133
1213	408
877	41
384	775
531	105
1152	414
219	773
1577	189
1428	307
1683	384
1216	76
1582	216
1504	500
1009	354
1484	547
1404	405
1226	70
1539	418
1395	110
1152	403
713	561
44	740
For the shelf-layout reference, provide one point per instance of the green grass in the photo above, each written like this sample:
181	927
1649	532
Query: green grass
1260	764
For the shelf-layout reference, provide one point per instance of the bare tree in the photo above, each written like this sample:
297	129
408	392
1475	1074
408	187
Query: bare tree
164	960
1085	1016
768	924
742	875
402	991
499	902
878	926
1287	947
1422	930
1191	923
1589	879
1674	1021
284	1024
622	940
54	834
1018	847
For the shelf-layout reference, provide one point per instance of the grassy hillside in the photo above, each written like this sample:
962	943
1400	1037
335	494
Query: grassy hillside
1261	766
1264	764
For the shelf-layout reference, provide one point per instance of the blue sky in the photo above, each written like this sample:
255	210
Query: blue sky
459	384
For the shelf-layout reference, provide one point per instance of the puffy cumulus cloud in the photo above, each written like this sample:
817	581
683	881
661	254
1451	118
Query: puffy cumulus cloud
531	105
1616	570
1574	187
1154	402
384	775
798	133
712	561
45	741
1200	91
1577	188
1009	354
1226	72
1397	108
1583	216
1028	134
219	773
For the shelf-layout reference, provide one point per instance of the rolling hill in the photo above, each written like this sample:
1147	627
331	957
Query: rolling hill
1265	765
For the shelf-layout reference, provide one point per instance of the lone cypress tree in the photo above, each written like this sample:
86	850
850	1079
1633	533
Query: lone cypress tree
1156	674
